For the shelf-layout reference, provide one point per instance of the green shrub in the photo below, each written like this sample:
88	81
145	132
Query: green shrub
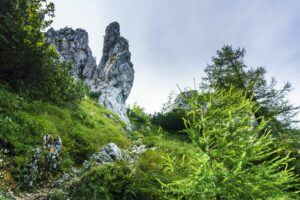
107	182
94	95
170	121
148	170
138	116
83	131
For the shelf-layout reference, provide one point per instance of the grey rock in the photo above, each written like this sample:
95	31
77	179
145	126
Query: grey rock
132	154
66	180
49	154
108	153
112	78
116	72
138	149
73	47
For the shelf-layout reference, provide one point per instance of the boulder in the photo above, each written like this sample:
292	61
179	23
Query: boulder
108	154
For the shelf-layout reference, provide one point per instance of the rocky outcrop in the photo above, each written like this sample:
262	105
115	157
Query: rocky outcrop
113	78
45	161
108	153
116	72
73	47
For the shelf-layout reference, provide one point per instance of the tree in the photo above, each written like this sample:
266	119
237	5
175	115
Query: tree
27	62
237	159
228	70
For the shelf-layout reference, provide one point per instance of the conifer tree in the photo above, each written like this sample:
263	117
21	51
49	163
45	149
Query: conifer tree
228	70
237	159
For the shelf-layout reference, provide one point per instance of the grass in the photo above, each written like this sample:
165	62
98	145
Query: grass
83	130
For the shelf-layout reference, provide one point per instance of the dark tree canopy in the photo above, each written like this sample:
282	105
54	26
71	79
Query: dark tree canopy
28	64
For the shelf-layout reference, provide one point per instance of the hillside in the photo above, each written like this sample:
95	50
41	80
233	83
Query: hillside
66	131
83	132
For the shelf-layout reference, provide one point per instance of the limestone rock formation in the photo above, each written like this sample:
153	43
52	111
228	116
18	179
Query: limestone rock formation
108	154
116	72
73	47
113	78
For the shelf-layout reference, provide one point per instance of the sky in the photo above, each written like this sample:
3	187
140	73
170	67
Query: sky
172	41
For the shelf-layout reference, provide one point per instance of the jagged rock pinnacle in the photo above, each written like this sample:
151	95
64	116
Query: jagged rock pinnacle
116	72
112	78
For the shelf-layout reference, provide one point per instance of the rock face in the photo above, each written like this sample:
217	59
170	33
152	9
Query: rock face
73	47
115	72
113	78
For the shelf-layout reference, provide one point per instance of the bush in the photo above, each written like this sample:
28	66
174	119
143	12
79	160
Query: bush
107	182
170	121
94	95
139	118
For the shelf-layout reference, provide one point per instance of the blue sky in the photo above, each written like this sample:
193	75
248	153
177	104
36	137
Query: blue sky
172	41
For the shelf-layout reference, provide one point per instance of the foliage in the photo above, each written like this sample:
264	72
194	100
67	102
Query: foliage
58	195
94	95
105	182
139	117
236	158
148	168
27	62
171	120
228	70
123	181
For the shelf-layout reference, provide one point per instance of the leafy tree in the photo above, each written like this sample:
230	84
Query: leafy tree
27	62
237	159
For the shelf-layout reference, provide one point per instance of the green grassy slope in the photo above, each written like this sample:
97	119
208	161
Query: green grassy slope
83	130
